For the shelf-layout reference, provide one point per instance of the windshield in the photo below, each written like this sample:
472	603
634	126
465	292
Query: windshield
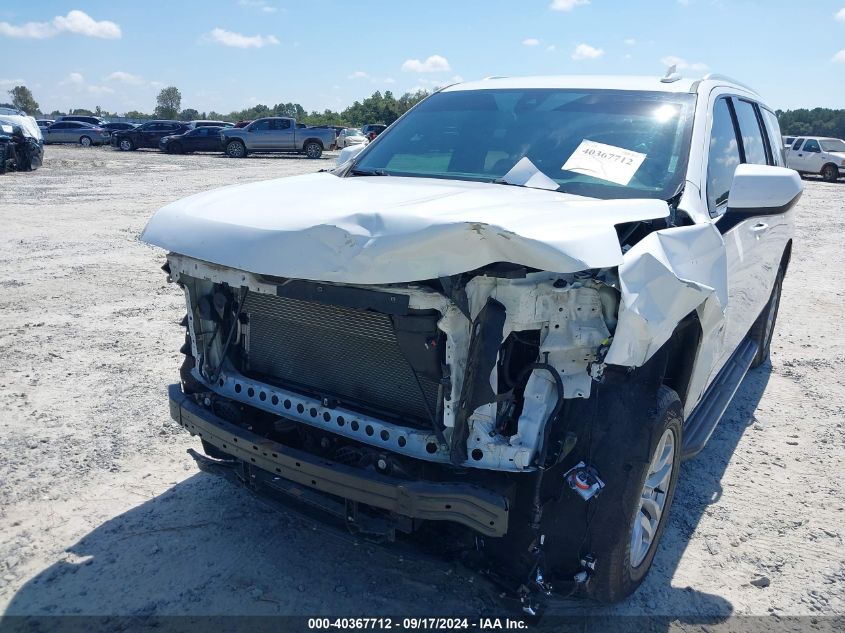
599	143
351	132
833	145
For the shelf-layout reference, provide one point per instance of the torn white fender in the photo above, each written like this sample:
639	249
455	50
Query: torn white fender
663	278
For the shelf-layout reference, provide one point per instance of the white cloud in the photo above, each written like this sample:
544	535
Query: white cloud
566	5
839	58
260	5
77	22
585	51
531	41
432	64
840	15
78	83
125	78
551	48
681	64
629	41
358	74
238	40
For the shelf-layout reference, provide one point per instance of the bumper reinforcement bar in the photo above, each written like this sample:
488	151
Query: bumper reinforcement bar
475	507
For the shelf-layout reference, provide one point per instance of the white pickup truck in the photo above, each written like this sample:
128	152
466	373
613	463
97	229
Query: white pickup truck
504	322
817	155
277	135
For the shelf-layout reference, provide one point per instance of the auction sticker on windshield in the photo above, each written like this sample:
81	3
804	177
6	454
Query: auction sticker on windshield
606	162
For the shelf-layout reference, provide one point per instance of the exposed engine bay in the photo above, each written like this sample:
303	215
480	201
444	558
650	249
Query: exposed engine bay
464	370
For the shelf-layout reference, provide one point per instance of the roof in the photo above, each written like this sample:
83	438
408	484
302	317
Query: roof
596	82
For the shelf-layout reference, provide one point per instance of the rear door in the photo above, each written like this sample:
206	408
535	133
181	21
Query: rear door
283	134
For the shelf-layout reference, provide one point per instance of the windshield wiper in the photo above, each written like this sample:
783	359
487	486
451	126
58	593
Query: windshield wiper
369	172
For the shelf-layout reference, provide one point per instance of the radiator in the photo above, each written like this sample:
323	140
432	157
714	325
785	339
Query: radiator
342	353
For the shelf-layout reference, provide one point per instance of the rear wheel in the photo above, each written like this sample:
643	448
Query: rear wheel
235	149
764	327
830	173
85	141
125	144
313	150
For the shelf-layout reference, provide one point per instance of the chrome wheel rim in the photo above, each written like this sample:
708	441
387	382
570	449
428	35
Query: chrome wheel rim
313	150
125	145
235	150
85	141
653	498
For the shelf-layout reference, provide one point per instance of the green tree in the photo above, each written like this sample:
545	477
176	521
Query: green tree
189	114
82	112
168	103
137	116
23	100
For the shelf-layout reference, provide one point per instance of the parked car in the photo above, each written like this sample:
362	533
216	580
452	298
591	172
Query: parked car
788	141
372	130
77	132
350	136
117	126
201	139
21	148
44	123
147	134
522	331
243	123
93	120
194	124
818	155
276	134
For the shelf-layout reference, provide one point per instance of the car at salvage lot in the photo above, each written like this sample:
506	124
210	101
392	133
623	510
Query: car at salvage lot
201	139
276	134
350	136
146	135
505	323
77	132
818	155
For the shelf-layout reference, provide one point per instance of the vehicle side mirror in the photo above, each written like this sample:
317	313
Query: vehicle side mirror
764	189
348	153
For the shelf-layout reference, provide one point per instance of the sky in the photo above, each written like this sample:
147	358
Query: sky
226	55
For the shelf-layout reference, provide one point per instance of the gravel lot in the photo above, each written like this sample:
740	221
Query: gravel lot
102	511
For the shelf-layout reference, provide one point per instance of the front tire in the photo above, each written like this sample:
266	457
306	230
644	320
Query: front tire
235	149
631	513
175	148
85	141
313	150
125	145
830	173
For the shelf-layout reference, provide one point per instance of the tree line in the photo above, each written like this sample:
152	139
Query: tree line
378	108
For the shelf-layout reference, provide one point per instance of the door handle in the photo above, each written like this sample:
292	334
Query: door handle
760	227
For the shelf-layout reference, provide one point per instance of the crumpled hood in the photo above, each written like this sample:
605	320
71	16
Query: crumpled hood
375	230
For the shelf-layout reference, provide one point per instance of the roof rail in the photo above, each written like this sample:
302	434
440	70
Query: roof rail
717	77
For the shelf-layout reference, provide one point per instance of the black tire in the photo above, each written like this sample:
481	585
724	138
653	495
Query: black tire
313	150
763	329
618	506
85	141
175	148
830	173
235	149
126	145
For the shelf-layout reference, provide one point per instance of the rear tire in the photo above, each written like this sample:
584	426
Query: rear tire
830	173
763	329
637	494
235	149
313	150
125	145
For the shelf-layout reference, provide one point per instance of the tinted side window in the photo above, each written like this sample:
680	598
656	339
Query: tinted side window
773	127
797	144
752	136
281	124
260	126
723	156
812	145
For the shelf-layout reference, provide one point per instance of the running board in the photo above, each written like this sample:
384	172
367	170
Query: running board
701	423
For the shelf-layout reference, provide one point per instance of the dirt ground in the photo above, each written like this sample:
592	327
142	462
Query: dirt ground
103	512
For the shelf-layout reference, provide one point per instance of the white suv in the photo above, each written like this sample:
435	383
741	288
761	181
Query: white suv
515	311
818	155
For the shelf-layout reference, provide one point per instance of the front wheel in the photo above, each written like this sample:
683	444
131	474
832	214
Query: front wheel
313	150
830	173
85	141
175	148
125	145
235	149
631	515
